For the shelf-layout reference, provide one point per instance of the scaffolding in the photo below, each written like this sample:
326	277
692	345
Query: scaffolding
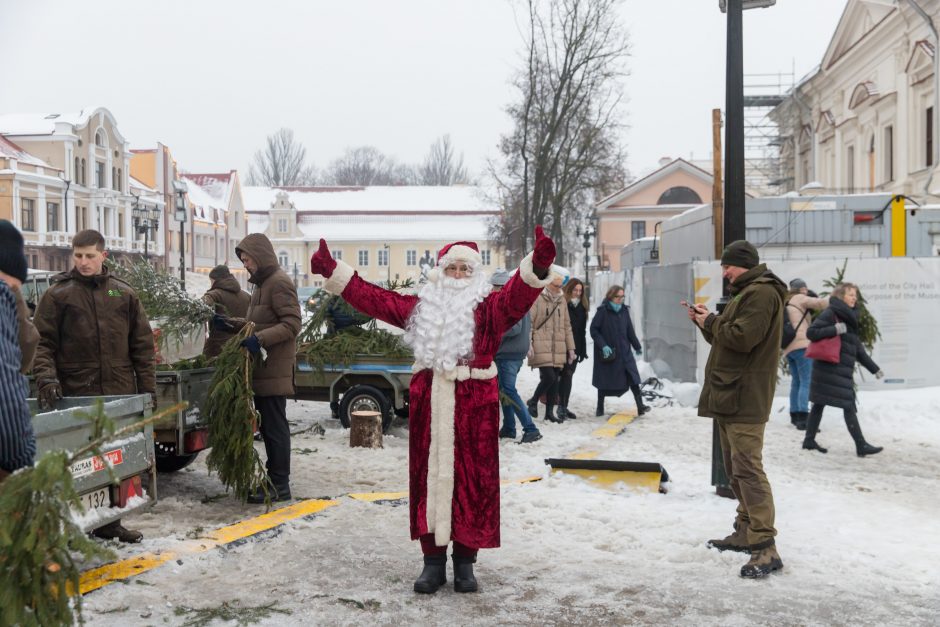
764	171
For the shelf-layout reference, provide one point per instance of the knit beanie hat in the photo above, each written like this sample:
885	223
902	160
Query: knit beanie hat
797	284
12	259
219	272
740	253
500	277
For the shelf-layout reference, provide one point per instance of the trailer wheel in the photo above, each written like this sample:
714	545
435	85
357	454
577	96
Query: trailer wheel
169	461
365	398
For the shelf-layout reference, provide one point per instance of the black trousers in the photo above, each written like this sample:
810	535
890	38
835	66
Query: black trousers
548	385
564	386
276	434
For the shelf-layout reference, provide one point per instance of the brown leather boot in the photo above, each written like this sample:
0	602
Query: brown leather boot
115	530
737	541
762	563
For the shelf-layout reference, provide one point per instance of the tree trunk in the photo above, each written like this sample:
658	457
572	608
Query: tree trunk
365	429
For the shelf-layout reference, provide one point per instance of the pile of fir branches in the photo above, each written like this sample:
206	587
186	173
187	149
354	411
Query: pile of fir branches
40	543
164	298
324	345
193	363
233	419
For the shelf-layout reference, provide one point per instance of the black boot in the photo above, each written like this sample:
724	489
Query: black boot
793	418
638	397
464	581
600	405
801	418
533	406
434	574
862	448
551	416
812	428
275	494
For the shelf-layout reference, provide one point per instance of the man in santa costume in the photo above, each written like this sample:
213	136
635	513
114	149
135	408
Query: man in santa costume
454	326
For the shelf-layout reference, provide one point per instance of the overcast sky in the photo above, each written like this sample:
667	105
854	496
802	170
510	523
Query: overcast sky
212	78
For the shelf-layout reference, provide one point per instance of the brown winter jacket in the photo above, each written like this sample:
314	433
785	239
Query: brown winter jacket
28	335
228	299
275	310
741	372
551	331
796	306
94	337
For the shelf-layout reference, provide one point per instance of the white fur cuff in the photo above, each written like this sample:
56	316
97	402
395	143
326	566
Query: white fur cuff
527	273
342	274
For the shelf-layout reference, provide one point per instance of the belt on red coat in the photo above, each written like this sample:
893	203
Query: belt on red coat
462	371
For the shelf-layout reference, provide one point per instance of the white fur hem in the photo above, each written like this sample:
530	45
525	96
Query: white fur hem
527	273
342	274
440	482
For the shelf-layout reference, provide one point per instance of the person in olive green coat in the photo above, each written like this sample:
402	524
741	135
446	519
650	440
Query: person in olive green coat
738	391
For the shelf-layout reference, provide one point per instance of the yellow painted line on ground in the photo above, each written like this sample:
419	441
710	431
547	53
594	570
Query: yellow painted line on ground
109	573
531	479
372	497
584	454
608	478
622	418
608	431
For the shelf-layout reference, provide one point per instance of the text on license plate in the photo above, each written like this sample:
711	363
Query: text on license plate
98	498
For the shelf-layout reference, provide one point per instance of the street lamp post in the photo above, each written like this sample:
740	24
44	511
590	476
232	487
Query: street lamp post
181	189
589	232
296	272
388	265
146	219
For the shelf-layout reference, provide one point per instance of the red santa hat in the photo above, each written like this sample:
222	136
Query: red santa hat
457	251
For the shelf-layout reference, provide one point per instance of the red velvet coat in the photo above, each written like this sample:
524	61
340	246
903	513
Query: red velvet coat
473	518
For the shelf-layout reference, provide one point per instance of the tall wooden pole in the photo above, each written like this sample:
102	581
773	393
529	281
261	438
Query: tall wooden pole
718	203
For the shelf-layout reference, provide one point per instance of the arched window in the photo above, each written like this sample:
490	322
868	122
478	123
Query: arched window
679	195
76	171
84	181
99	139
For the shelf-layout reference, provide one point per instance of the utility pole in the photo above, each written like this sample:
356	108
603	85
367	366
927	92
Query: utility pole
733	214
718	203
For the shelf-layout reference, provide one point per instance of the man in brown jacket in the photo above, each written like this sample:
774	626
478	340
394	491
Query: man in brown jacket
95	339
275	310
740	377
227	298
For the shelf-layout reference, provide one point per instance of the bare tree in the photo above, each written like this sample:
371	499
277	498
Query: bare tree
366	165
443	166
281	162
564	150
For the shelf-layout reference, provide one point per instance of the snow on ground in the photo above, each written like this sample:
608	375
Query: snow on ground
858	536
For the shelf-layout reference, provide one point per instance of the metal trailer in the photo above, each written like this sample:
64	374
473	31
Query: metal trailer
369	382
180	436
131	456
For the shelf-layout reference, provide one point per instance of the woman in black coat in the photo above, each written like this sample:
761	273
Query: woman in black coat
833	384
578	315
613	334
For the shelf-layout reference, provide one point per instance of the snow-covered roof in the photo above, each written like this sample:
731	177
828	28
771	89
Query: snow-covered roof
391	228
409	199
44	123
215	186
137	184
10	150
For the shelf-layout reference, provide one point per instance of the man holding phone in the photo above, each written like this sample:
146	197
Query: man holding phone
738	391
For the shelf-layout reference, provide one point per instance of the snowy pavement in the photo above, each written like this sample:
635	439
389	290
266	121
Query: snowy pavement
858	536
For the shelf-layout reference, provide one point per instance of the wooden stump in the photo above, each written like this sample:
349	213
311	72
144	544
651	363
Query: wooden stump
365	429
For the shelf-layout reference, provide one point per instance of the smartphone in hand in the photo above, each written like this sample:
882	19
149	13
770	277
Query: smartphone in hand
686	303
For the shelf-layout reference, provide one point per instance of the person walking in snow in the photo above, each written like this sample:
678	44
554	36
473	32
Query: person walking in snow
455	325
551	349
797	307
615	369
834	384
227	298
738	390
578	315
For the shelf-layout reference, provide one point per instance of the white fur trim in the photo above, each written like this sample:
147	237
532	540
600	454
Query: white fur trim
340	278
433	275
464	253
440	481
462	373
527	273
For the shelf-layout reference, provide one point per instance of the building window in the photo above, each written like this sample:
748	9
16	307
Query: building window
889	153
282	225
99	174
84	179
282	259
52	216
120	223
99	139
75	172
850	169
637	229
929	137
363	257
411	257
28	214
485	257
114	178
337	254
81	216
382	257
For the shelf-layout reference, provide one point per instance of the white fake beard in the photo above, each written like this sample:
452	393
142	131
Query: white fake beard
440	330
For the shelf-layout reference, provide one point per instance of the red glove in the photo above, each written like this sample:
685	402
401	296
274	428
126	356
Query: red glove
322	261
544	253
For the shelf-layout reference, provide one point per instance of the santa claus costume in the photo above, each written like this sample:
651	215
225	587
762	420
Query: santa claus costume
455	326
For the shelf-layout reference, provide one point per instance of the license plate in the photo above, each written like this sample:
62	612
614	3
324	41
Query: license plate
96	499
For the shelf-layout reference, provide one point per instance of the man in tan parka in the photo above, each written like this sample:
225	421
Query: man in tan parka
275	311
95	339
227	298
740	377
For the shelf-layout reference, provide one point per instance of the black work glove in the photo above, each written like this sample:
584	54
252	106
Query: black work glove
252	343
221	323
49	393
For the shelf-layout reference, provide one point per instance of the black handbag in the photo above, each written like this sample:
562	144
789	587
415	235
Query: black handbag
611	358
